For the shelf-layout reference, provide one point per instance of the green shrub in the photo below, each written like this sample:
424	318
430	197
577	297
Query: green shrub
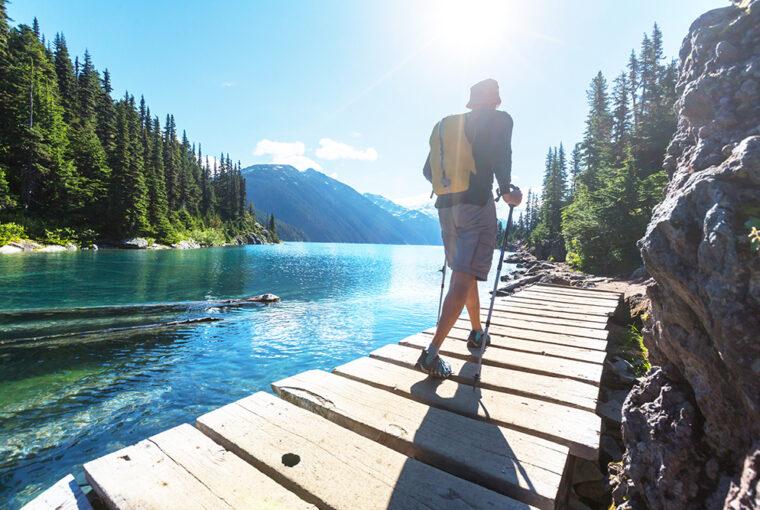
61	236
11	231
207	236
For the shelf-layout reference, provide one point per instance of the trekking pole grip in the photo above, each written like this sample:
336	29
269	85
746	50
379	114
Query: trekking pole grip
512	188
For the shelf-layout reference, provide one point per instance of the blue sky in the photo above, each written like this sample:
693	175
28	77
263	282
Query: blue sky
354	87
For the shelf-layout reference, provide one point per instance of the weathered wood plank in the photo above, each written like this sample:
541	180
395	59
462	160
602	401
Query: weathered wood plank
585	289
65	494
142	476
560	321
579	430
519	465
494	376
549	312
568	300
461	331
224	473
530	362
498	328
542	336
569	291
524	322
534	302
601	301
334	467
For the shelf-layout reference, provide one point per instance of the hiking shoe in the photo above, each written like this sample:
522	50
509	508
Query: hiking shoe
433	365
475	340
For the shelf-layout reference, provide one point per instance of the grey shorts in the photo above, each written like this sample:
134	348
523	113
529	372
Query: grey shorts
469	237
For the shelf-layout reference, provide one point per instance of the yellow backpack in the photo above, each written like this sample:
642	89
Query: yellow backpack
451	158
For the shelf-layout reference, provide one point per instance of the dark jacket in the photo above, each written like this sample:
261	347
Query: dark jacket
490	133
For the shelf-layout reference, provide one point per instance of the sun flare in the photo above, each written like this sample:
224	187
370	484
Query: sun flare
466	28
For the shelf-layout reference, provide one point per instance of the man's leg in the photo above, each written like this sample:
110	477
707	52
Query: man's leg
460	289
473	306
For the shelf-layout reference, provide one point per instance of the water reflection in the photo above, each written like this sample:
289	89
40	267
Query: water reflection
68	400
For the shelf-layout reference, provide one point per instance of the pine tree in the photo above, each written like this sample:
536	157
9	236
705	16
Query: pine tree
621	118
67	84
576	162
596	141
130	204
272	225
158	210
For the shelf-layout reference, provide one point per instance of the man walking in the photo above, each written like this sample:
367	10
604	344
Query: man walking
466	152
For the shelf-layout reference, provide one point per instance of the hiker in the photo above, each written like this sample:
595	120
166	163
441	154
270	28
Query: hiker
466	152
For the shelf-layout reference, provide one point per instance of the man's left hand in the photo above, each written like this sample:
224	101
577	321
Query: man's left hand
514	197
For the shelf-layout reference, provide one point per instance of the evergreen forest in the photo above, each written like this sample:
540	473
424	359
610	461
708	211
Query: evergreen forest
596	201
77	165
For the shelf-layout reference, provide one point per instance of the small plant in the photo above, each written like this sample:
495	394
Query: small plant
754	232
640	358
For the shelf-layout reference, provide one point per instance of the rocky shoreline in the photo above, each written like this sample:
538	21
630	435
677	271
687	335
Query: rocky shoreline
134	243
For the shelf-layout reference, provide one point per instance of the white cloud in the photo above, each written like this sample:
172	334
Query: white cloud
330	149
286	153
334	175
227	84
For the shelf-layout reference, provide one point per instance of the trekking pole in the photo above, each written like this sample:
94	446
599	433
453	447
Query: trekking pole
443	282
476	378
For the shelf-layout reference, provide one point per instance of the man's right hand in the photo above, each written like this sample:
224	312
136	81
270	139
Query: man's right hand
514	197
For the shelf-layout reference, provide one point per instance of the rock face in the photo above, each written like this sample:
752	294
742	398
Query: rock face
691	428
253	238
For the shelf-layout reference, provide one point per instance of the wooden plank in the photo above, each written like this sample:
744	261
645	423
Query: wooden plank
577	429
585	289
579	291
142	476
461	331
526	323
580	310
65	494
529	362
507	334
495	377
519	465
548	312
567	300
224	473
602	300
334	467
561	321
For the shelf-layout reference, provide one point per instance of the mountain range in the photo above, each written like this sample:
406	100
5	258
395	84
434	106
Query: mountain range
327	210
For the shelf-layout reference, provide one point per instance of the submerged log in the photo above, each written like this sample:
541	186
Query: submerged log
107	331
79	312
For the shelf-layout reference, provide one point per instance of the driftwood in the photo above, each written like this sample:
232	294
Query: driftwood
19	342
507	289
35	314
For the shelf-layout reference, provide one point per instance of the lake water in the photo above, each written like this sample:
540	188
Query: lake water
68	399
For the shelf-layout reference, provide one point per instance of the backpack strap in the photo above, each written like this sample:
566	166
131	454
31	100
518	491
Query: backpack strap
444	180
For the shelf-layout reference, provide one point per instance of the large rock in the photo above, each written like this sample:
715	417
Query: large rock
134	243
689	430
187	244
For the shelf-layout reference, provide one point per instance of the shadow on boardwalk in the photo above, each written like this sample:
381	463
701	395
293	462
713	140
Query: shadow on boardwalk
466	401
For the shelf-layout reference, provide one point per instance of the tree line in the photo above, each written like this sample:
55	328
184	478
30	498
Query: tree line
595	205
71	156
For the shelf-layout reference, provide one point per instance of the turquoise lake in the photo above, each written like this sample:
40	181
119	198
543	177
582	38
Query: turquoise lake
66	398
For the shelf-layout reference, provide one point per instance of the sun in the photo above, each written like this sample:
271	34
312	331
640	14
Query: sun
465	28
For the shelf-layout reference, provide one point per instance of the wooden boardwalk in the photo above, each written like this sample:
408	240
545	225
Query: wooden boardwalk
375	433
